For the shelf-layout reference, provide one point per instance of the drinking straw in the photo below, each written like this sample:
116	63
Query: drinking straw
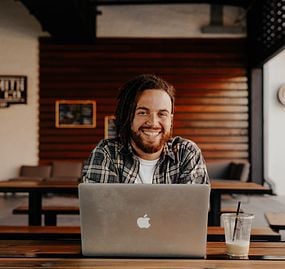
235	227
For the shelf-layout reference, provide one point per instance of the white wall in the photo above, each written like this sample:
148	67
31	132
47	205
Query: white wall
18	56
274	123
163	20
19	33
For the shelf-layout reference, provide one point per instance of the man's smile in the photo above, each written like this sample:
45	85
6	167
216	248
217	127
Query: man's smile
151	133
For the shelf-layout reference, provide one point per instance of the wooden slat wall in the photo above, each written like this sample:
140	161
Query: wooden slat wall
209	75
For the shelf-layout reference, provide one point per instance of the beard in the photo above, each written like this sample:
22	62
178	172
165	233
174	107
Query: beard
149	147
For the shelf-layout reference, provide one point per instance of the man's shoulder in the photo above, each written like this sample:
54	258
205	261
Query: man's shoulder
178	141
179	144
111	144
180	149
109	141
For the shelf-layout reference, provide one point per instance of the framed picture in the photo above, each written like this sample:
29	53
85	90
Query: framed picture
75	114
110	128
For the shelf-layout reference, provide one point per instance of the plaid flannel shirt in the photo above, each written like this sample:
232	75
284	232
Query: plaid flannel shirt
111	162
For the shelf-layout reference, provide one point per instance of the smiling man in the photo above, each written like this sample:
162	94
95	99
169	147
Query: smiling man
144	150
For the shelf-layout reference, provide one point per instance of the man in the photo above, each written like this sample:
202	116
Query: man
143	151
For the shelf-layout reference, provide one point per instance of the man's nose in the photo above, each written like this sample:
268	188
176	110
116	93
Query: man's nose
153	119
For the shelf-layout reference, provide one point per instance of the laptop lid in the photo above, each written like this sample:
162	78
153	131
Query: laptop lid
144	220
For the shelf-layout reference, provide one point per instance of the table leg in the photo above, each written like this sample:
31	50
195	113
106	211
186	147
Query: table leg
35	208
214	216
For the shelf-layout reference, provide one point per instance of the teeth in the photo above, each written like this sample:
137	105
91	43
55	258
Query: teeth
151	133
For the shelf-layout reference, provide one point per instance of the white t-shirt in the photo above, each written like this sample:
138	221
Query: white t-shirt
146	171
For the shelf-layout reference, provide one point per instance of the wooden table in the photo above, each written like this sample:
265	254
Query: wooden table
37	189
276	220
219	187
72	249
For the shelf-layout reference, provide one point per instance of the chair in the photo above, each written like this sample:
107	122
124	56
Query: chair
232	170
65	171
33	173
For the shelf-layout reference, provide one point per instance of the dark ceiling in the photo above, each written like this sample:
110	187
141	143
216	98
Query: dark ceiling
71	21
75	20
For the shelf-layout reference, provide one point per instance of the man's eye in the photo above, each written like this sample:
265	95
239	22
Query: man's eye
142	113
163	114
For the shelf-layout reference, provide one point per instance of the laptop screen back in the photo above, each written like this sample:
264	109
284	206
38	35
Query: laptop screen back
144	220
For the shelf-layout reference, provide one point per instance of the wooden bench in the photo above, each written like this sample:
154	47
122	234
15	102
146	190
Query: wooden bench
276	220
39	232
215	233
50	212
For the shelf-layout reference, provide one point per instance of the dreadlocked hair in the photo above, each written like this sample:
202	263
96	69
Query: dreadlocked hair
128	97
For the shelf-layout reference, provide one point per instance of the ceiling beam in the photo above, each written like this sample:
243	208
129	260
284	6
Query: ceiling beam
240	3
65	20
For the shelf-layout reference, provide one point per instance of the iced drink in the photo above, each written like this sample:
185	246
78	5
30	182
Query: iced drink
237	248
237	234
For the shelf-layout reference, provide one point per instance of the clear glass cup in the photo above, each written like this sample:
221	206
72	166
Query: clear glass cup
237	234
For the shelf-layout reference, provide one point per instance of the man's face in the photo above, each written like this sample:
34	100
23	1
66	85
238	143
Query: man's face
152	123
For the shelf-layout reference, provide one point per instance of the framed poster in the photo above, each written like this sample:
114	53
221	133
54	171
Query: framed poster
110	128
75	114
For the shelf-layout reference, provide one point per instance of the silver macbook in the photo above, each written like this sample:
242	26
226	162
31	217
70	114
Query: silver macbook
144	220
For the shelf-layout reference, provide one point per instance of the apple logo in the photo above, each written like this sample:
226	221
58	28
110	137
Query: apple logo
143	222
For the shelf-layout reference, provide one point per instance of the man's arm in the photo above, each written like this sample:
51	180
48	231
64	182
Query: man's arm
193	167
99	168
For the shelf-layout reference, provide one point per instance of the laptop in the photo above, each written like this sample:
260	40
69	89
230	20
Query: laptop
144	220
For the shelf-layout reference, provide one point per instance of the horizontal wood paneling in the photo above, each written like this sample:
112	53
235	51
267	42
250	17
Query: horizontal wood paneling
209	75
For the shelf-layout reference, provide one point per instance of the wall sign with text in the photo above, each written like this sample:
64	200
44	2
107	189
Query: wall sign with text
13	90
